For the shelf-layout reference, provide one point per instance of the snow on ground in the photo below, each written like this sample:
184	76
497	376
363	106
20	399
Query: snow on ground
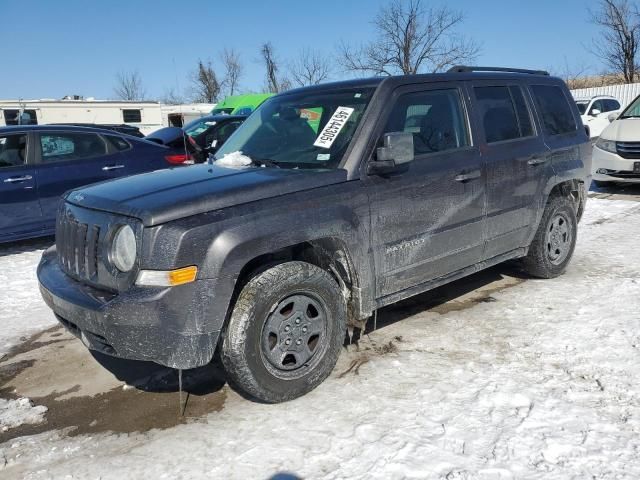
22	312
539	384
18	412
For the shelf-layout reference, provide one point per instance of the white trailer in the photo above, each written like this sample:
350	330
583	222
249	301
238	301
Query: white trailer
179	115
147	116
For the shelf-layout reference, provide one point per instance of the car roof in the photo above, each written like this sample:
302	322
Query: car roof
60	128
593	97
398	80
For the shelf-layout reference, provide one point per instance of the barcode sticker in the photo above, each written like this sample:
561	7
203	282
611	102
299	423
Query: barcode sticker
333	127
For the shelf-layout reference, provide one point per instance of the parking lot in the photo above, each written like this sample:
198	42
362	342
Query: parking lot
496	376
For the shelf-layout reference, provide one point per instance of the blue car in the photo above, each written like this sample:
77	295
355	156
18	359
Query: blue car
38	163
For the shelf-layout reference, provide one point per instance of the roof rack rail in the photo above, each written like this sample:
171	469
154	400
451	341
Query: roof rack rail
464	68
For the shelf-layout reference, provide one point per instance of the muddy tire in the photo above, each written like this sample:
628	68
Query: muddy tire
285	332
554	241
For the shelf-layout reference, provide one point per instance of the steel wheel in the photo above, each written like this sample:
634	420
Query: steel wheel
294	334
558	239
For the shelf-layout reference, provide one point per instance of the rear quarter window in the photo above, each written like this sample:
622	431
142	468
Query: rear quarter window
555	111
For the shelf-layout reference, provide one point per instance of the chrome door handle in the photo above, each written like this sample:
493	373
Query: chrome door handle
465	177
24	178
107	168
537	160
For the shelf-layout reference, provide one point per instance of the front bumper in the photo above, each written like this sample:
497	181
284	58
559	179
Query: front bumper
168	326
619	169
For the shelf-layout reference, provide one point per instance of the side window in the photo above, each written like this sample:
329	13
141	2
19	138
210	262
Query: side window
132	116
118	143
555	111
597	105
13	150
15	117
504	113
435	118
611	105
60	147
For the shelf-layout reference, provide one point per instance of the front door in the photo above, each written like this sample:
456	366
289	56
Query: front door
19	208
428	222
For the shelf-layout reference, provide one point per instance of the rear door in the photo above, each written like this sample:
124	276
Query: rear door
66	160
428	221
20	211
513	153
136	156
563	135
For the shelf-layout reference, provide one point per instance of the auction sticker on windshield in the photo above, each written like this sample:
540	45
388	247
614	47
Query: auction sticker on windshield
333	127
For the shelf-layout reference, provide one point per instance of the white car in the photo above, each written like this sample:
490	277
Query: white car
616	155
597	112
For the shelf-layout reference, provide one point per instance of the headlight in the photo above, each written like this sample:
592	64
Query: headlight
606	145
123	249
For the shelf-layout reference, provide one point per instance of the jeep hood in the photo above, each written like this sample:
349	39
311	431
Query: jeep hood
625	130
165	195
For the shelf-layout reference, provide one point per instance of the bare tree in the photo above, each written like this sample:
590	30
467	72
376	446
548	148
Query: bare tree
205	85
310	67
172	97
574	75
233	70
620	36
412	39
275	83
129	86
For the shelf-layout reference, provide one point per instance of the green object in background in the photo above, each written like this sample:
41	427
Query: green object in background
313	116
241	104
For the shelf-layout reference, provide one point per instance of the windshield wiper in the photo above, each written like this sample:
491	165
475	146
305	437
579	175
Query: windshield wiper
264	161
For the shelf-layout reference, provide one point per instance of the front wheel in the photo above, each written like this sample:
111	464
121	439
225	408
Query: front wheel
285	332
555	240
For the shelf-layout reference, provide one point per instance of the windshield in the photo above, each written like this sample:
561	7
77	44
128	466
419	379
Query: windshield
632	110
305	130
197	126
222	111
582	107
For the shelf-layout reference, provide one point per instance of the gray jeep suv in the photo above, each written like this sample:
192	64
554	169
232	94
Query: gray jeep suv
328	203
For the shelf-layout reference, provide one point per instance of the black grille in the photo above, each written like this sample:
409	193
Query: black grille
628	149
77	246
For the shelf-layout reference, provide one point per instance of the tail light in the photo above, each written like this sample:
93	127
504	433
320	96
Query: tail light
177	159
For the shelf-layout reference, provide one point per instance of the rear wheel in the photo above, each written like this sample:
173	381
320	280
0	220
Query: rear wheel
285	333
555	240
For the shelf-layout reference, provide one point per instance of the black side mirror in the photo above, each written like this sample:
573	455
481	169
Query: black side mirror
395	154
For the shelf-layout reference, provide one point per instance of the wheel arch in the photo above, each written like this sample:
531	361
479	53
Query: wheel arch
328	253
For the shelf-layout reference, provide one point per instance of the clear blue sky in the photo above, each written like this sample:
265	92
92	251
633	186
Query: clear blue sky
54	48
